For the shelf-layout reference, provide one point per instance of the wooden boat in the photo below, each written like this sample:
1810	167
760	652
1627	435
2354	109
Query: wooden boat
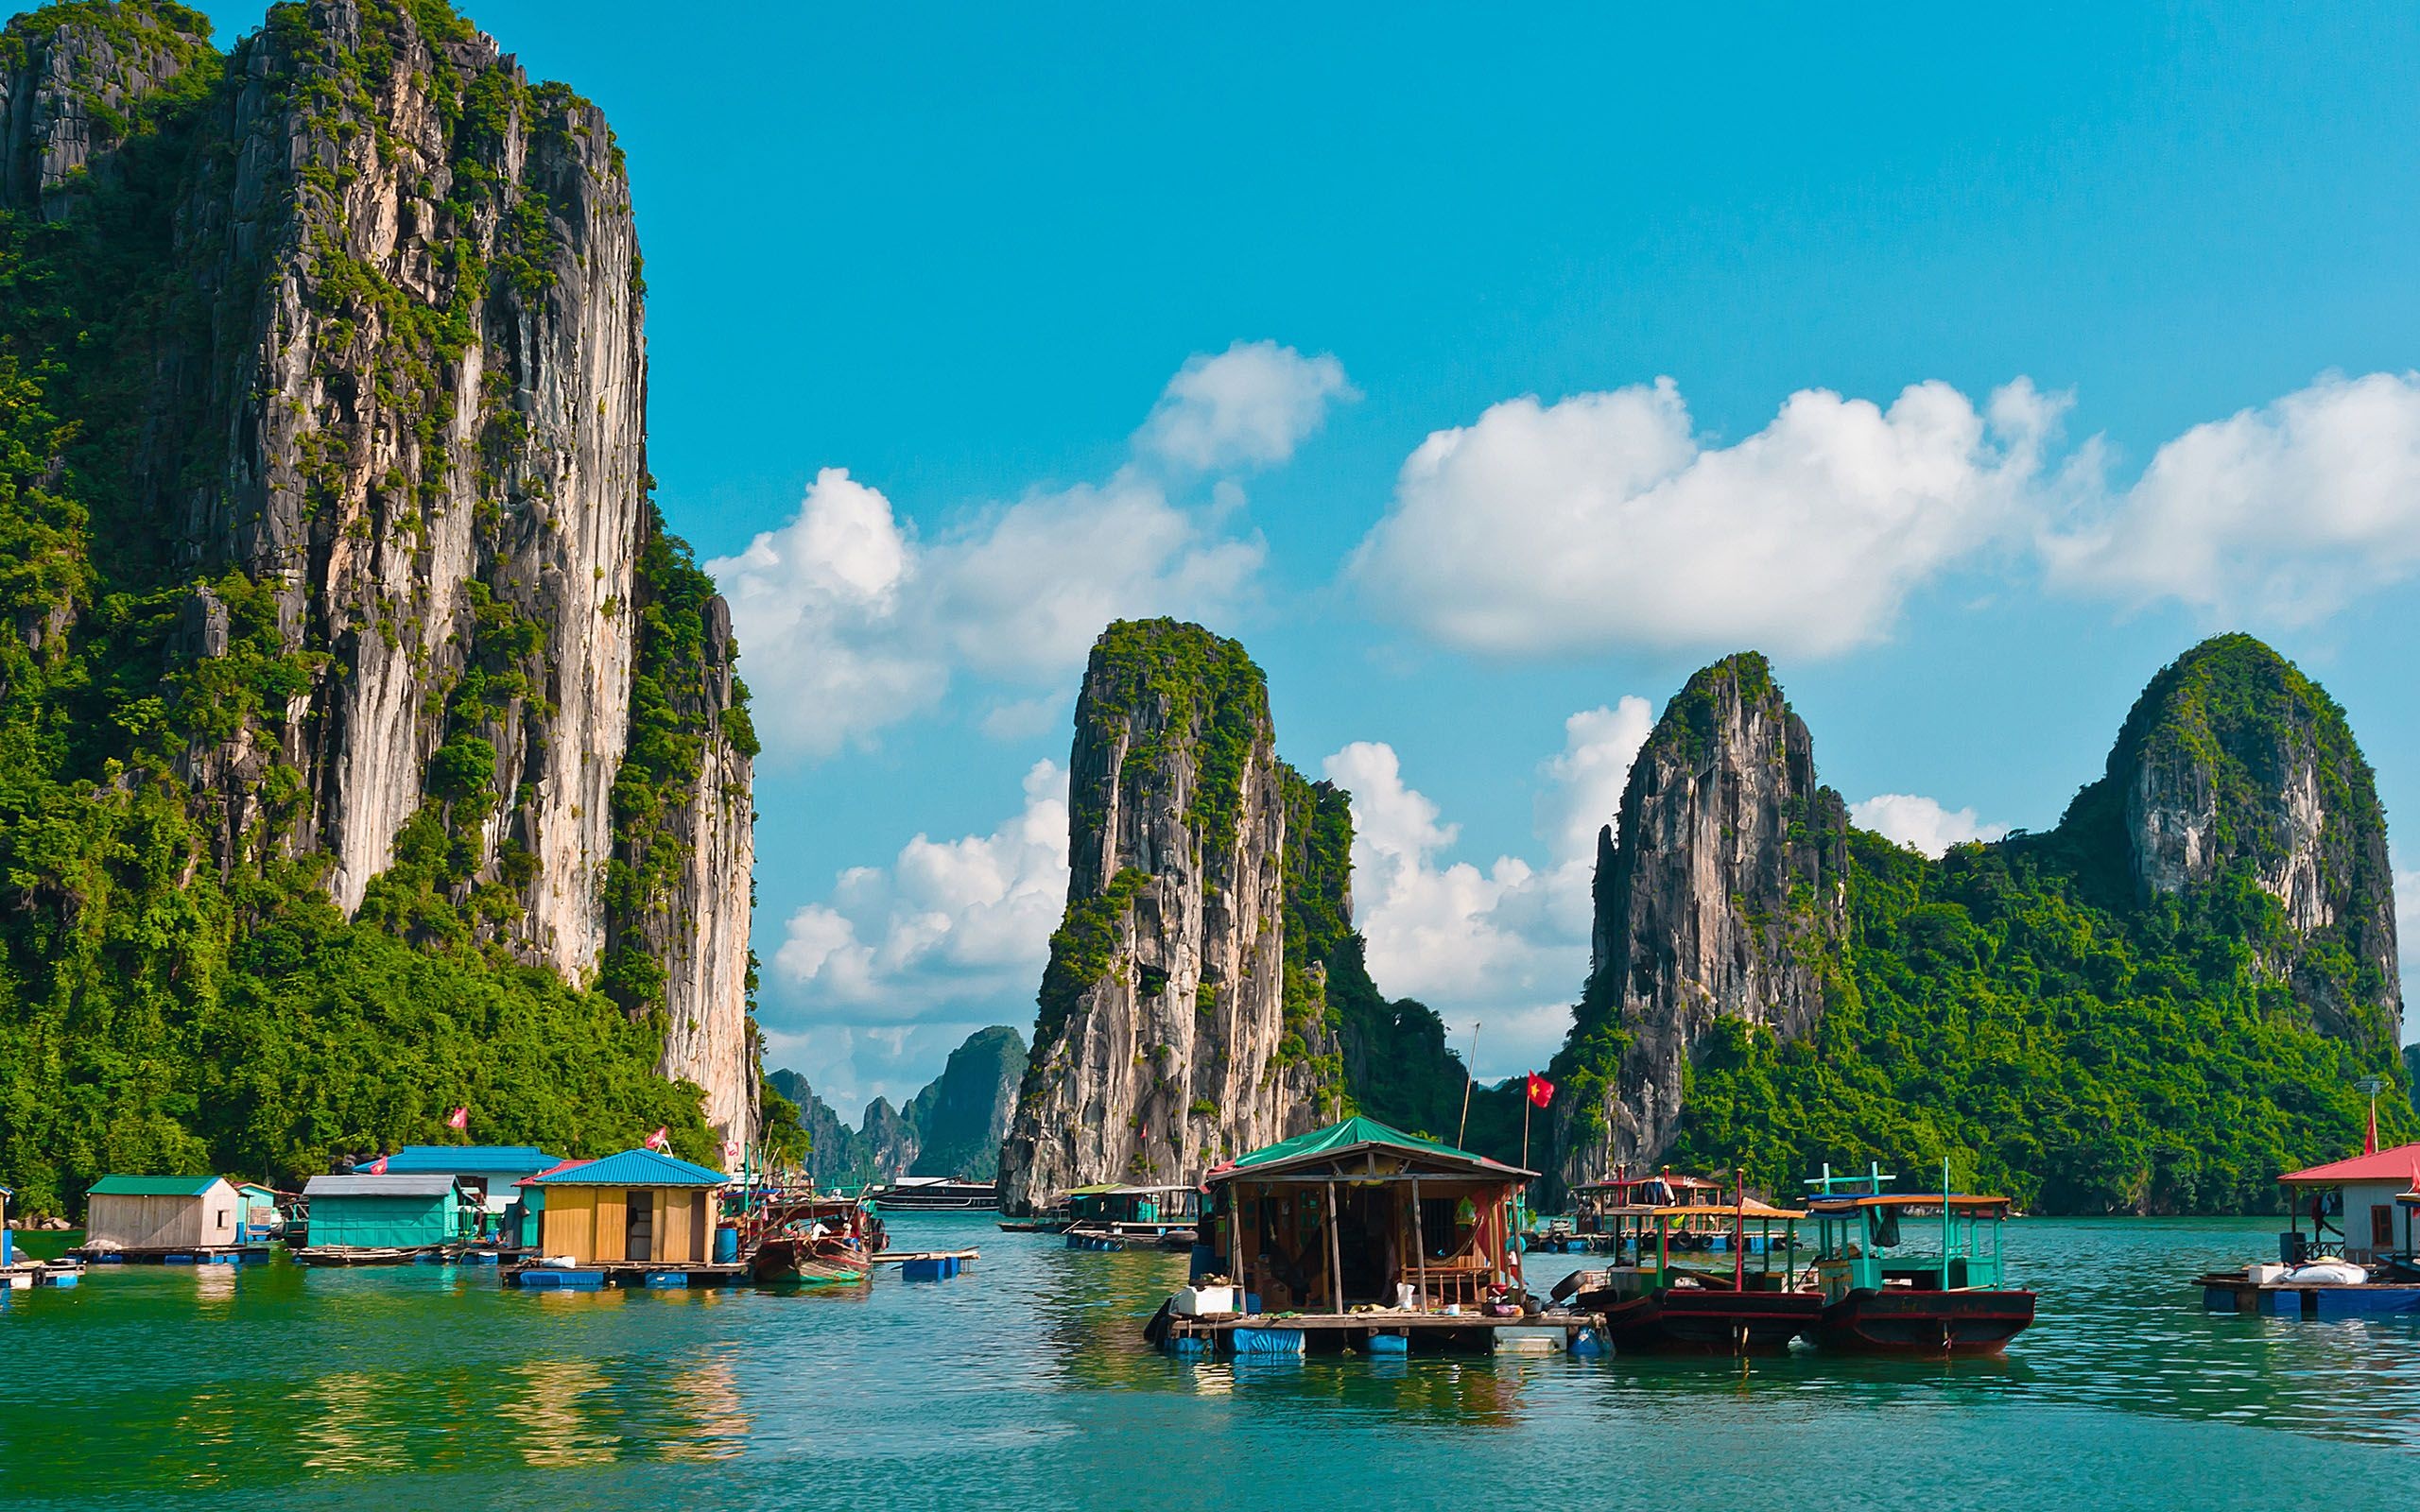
1117	1217
338	1255
1651	1306
934	1194
811	1240
1952	1301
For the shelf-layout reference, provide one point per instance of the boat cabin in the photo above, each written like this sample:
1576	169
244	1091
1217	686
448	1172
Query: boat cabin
385	1213
1926	1241
1359	1212
2350	1207
1132	1211
136	1214
635	1207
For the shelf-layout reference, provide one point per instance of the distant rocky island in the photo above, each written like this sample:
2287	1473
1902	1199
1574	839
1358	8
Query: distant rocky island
2157	1005
953	1127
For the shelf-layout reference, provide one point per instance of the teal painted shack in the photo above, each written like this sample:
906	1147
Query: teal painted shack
386	1211
490	1175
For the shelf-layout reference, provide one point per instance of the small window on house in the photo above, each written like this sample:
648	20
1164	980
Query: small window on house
226	1217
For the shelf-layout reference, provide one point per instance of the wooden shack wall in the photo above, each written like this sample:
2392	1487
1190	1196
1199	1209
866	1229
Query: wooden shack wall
161	1222
593	1223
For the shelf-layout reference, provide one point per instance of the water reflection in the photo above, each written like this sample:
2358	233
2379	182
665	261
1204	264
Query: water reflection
1030	1375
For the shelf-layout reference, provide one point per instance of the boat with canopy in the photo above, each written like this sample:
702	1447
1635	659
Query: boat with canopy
1886	1286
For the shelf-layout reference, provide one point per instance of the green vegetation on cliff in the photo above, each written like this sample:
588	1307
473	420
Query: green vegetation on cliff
2032	1011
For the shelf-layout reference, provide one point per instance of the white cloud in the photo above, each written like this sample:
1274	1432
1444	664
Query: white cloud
850	622
1909	819
1604	519
1584	789
2281	514
947	925
1250	404
1507	945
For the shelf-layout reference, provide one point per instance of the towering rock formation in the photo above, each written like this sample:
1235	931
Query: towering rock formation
2233	760
2222	897
962	1114
1174	1029
1722	893
388	432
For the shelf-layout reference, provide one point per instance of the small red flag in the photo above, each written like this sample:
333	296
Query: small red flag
460	1118
660	1137
376	1167
1541	1089
2370	1143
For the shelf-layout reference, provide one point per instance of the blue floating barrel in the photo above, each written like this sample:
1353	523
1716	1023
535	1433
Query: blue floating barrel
1390	1344
64	1277
726	1245
1266	1341
922	1270
667	1278
1587	1342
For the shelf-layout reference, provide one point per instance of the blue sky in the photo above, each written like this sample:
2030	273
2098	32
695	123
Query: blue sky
963	255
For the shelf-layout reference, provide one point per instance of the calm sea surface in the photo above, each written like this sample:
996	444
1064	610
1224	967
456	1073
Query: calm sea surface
1025	1384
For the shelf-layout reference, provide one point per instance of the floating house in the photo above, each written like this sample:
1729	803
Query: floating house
1367	1238
2359	1256
490	1175
163	1217
637	1207
2364	1188
257	1217
370	1220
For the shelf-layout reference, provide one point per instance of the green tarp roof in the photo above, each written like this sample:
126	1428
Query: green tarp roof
152	1186
1355	1133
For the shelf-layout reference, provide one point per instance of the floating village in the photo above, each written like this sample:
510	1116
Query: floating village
1356	1238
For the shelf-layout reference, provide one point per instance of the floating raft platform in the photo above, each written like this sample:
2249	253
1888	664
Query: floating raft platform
1255	1335
597	1276
25	1275
373	1255
188	1255
2234	1292
929	1264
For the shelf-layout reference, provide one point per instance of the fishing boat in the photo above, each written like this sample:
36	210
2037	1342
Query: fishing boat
1650	1305
1123	1217
937	1194
810	1239
1952	1301
1051	1220
2349	1264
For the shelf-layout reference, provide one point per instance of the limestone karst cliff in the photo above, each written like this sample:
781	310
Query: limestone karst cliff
1174	1031
343	333
2232	759
2157	1005
1720	893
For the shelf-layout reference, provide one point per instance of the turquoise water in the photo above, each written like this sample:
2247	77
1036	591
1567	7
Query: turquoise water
1025	1384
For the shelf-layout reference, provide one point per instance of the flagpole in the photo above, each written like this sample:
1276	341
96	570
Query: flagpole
1527	1103
1470	1074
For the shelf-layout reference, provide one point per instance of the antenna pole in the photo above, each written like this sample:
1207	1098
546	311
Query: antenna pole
1470	1074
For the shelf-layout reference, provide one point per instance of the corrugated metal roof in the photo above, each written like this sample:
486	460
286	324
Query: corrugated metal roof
635	1168
518	1160
2401	1163
152	1186
552	1170
378	1186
